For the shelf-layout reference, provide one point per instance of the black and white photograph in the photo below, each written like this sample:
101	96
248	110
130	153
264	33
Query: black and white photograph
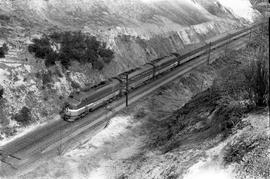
134	89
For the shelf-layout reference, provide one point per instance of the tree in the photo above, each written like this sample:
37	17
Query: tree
24	116
2	53
3	50
1	93
74	46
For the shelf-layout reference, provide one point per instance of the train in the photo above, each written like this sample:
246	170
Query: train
81	102
86	100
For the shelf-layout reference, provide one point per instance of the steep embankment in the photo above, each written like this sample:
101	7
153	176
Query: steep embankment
136	30
148	141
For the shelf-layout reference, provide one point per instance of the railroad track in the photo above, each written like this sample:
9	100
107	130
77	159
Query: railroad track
45	141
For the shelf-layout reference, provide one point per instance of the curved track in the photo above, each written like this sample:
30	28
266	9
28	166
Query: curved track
59	136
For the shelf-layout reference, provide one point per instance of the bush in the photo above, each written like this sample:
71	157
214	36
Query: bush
1	93
75	85
4	18
24	116
106	54
246	82
74	46
235	152
98	65
2	53
257	82
40	47
250	152
8	131
46	78
3	50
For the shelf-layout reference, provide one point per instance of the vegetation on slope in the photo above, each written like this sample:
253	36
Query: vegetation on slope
24	116
216	115
66	47
3	50
1	93
239	88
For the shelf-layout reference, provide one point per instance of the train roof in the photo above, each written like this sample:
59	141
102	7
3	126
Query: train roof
140	70
86	92
74	99
97	86
165	59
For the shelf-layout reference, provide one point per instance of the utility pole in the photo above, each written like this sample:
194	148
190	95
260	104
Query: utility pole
126	89
249	36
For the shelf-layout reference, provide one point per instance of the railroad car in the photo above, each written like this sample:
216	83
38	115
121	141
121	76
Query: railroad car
166	64
193	54
141	75
80	103
87	99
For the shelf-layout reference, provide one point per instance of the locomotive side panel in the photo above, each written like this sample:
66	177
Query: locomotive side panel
95	95
166	67
92	99
194	53
140	79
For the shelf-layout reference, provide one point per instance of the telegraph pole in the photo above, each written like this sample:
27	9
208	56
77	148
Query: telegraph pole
126	89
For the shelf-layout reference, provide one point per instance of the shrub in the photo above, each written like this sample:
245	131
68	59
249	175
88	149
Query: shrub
74	46
51	58
245	82
2	53
75	85
46	78
4	17
8	131
98	65
1	93
141	113
40	47
257	82
106	54
5	47
3	50
24	116
250	152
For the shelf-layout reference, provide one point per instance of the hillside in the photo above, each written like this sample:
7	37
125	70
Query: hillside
136	30
182	131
